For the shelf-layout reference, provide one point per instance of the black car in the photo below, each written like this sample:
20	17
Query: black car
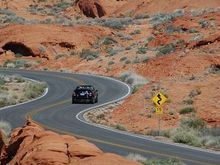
85	93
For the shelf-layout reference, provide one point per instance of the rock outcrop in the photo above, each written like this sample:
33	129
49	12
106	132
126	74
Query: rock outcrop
31	144
91	8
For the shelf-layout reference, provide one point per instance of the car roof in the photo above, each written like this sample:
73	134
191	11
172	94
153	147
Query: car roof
85	87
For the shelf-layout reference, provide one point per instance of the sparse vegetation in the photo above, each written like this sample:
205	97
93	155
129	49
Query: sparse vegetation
215	69
20	63
147	161
15	89
166	49
5	127
142	50
111	62
89	54
161	18
120	127
188	101
187	110
194	92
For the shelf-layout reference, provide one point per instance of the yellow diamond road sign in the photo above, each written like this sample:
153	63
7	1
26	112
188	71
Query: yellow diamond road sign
159	99
159	110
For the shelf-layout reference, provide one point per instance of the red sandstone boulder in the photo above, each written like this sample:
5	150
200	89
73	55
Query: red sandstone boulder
91	8
31	144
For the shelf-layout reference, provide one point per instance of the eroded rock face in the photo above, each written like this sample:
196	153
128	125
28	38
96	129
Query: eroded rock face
91	8
31	144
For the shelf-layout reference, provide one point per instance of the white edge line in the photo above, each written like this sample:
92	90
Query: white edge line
44	94
149	138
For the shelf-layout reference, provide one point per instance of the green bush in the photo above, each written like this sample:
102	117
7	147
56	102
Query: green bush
17	64
195	123
142	50
188	101
187	110
34	90
112	52
136	31
163	162
89	54
111	62
128	61
117	23
136	88
5	127
120	127
3	102
195	92
2	81
108	41
162	18
166	49
186	136
123	59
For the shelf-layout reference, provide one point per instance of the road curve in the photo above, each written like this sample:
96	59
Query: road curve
55	111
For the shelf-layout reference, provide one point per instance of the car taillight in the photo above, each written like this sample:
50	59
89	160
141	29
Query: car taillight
74	94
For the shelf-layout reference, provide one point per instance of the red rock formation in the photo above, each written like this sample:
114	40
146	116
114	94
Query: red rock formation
31	144
91	8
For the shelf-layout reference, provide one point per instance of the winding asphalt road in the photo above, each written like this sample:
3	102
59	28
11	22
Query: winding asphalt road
55	111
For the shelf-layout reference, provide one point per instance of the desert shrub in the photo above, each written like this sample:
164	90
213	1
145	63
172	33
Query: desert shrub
89	54
171	29
199	12
2	81
117	23
193	30
108	40
188	101
136	60
186	136
54	10
204	23
186	110
136	31
18	64
127	61
170	161
147	161
6	12
195	123
34	90
211	142
123	59
100	117
111	62
5	127
195	92
215	68
42	49
161	18
120	127
3	102
142	50
134	80
59	56
19	79
153	133
112	52
136	88
166	49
